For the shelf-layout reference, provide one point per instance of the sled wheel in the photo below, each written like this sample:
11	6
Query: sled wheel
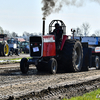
97	64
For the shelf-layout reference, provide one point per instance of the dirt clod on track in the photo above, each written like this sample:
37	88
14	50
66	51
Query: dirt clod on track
43	86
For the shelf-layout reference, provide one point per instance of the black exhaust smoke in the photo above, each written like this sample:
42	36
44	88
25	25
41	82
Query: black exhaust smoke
48	6
43	26
52	6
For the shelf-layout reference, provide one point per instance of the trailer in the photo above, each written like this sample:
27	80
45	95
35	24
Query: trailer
92	50
50	53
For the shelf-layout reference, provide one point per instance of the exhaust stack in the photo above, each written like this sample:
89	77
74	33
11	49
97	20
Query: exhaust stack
43	26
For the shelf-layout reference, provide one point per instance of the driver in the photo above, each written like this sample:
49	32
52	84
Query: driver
58	34
58	31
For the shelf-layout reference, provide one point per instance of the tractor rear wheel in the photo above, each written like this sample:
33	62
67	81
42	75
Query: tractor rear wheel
72	55
24	67
5	49
52	66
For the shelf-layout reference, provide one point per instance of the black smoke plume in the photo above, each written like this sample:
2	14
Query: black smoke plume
48	7
51	6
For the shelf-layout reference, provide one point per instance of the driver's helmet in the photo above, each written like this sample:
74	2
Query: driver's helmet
57	25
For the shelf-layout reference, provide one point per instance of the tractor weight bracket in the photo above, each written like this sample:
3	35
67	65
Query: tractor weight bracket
33	61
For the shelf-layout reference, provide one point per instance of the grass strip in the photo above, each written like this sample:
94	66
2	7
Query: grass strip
7	61
14	58
94	95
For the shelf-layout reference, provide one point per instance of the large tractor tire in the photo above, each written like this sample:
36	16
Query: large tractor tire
24	67
72	56
4	49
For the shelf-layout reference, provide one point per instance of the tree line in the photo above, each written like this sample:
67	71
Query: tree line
83	30
14	34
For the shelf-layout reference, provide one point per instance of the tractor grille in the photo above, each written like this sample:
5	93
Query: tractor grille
36	46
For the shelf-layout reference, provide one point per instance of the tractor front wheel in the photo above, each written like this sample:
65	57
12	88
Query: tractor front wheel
24	67
52	66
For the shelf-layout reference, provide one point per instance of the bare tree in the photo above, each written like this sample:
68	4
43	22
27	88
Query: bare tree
35	33
40	33
8	33
85	27
1	30
97	33
78	32
14	34
31	34
26	34
93	35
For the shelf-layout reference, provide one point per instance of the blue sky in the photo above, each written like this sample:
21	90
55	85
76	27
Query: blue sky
26	15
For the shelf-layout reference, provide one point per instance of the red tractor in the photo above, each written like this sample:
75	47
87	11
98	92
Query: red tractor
46	56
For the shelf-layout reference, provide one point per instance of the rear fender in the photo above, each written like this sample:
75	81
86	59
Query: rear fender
63	41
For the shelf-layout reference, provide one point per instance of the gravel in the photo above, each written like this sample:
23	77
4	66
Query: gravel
35	85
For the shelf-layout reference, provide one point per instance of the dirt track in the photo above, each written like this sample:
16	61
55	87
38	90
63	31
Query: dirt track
43	85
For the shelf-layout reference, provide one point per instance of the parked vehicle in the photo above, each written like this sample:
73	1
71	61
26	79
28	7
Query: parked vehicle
27	49
4	47
24	47
14	46
71	55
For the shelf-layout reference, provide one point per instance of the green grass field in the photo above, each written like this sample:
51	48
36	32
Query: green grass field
15	60
94	95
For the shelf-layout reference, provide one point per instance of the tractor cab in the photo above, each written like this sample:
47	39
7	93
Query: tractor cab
61	25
